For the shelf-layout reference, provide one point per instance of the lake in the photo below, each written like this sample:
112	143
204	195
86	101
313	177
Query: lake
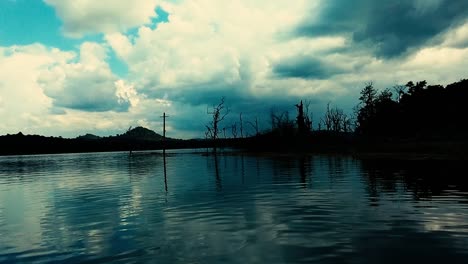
191	207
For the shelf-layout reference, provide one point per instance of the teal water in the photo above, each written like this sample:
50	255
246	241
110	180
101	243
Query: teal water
189	207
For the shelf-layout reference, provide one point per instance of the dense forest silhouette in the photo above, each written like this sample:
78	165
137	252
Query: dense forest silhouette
417	111
415	117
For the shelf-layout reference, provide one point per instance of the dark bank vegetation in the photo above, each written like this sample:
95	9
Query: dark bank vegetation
411	118
138	138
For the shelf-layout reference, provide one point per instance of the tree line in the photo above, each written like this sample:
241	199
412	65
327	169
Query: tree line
413	110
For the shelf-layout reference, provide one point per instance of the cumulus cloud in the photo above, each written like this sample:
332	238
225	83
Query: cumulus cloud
87	85
207	49
23	102
82	17
243	50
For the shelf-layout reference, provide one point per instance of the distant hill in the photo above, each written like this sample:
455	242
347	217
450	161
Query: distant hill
135	134
139	138
89	137
141	133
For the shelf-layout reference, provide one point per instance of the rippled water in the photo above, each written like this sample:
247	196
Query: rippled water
230	208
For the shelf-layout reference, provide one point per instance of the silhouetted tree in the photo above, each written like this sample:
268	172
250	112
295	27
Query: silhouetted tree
255	126
337	116
335	120
400	90
281	124
234	130
241	125
224	132
366	111
416	88
327	119
300	119
424	111
218	113
308	116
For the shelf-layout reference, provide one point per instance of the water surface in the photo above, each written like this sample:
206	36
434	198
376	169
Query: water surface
189	207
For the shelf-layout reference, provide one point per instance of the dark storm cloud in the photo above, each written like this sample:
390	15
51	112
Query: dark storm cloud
306	68
195	101
97	105
391	28
238	95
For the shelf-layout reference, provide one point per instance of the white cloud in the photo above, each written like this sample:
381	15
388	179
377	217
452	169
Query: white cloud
206	50
81	17
24	102
215	45
457	37
212	47
126	93
37	82
87	85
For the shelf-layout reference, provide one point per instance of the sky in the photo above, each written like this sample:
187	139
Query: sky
71	67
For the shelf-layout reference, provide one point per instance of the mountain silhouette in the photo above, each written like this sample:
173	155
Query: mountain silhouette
138	138
88	137
140	133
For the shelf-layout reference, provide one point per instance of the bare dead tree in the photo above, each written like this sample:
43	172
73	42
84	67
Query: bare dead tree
241	123
234	130
279	120
224	132
336	120
254	126
218	113
272	119
208	133
336	116
300	120
327	119
308	115
346	123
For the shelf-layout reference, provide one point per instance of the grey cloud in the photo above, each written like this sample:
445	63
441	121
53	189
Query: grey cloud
90	93
237	94
57	111
306	68
191	101
391	28
192	108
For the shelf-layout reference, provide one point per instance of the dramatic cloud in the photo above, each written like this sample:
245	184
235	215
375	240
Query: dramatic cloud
87	85
207	50
303	67
81	17
390	28
24	105
260	55
457	38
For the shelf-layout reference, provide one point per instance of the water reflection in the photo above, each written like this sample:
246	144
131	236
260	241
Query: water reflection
423	179
165	170
231	208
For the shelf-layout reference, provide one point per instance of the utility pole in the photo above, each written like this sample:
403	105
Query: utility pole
164	116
